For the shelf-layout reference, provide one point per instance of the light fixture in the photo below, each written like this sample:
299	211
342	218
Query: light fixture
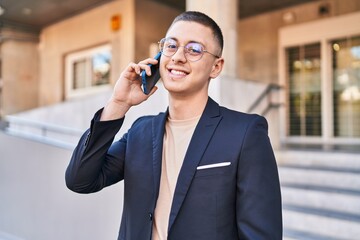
289	17
2	10
26	11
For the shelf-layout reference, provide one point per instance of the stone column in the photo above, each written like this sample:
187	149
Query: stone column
224	12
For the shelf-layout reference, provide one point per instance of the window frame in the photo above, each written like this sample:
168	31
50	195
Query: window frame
70	59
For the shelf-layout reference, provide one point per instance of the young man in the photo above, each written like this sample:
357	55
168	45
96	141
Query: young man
197	171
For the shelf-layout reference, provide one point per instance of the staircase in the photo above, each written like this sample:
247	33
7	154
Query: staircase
321	194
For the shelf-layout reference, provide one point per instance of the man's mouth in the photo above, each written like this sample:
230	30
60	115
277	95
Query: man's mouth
177	72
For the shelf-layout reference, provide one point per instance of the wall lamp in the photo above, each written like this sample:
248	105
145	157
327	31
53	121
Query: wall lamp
2	10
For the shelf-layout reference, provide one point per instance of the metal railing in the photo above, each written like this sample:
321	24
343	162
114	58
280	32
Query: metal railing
266	95
56	135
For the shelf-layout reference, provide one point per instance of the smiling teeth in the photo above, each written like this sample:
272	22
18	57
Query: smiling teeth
177	72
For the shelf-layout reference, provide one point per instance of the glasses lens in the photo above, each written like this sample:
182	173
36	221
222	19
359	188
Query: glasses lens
168	46
194	51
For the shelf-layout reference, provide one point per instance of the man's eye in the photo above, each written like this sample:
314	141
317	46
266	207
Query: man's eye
171	46
196	50
193	50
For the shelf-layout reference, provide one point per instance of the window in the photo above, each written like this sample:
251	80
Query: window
87	71
304	95
346	86
319	63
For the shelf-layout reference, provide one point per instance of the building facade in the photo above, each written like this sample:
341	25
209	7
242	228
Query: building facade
299	66
310	50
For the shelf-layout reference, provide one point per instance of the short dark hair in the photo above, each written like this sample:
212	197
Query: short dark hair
199	17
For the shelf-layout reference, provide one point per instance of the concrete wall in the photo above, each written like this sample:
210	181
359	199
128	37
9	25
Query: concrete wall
141	26
20	75
152	21
36	205
83	31
258	36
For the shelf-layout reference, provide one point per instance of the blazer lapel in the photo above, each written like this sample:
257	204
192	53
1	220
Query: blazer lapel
158	129
198	144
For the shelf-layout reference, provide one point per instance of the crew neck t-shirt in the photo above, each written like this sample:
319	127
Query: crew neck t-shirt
177	138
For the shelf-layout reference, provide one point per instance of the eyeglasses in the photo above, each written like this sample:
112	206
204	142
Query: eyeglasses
193	50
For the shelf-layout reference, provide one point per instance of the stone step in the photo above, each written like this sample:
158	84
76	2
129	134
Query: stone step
332	159
341	178
291	234
326	198
319	222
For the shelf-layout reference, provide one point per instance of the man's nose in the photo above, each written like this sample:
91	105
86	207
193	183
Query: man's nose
179	55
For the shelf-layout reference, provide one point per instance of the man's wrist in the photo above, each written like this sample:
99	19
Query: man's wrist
114	110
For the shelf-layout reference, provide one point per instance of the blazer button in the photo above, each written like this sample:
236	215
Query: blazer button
150	216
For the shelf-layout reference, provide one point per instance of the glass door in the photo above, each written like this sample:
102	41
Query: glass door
304	94
346	86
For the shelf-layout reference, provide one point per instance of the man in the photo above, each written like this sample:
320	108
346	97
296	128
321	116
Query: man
197	171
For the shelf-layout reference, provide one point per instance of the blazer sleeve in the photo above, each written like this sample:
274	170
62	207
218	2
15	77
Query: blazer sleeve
97	162
258	202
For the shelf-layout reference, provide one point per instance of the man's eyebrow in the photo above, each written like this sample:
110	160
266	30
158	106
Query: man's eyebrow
191	41
173	38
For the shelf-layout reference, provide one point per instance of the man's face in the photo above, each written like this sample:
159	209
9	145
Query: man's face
181	76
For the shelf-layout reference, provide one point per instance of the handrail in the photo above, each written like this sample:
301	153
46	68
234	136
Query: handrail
67	139
269	107
265	93
44	127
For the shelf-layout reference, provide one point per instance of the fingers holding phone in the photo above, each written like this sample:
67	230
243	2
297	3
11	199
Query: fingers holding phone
134	70
128	90
149	79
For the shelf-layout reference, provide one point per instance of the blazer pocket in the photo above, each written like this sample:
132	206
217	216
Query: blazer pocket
214	165
212	169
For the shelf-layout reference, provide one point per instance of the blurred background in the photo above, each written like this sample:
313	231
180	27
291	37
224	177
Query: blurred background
297	62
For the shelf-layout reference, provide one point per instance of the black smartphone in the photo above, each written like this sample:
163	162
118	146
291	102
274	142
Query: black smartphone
148	82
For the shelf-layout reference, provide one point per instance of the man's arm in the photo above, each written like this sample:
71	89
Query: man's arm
258	204
96	162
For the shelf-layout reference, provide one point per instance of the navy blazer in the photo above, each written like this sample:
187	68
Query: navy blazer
237	199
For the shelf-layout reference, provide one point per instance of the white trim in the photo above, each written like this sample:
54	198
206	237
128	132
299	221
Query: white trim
283	120
316	31
327	121
320	140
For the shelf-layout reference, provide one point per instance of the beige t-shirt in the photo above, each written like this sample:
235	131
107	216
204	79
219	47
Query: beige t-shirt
177	137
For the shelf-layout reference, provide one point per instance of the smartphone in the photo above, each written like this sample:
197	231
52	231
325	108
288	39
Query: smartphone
148	82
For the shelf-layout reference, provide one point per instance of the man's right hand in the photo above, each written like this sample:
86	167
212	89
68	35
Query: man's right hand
127	91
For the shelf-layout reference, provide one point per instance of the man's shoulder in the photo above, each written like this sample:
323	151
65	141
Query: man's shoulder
237	120
148	119
231	113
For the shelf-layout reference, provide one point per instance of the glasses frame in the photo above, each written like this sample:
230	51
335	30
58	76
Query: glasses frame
161	42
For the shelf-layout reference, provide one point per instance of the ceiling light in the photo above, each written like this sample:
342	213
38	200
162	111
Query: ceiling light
289	17
2	10
26	11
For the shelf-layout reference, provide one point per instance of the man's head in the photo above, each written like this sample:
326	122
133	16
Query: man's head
191	54
203	19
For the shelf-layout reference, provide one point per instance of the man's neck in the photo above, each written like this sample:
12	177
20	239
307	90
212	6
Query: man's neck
182	108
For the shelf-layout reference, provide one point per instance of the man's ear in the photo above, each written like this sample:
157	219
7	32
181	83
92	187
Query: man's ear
217	67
